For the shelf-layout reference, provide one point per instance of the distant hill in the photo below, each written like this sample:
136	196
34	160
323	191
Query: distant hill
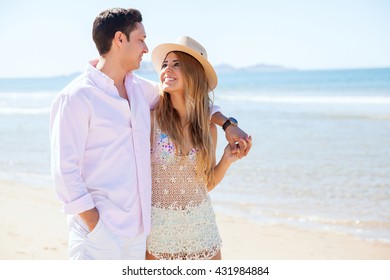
224	68
147	67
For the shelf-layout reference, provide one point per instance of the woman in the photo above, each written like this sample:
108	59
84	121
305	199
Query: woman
183	156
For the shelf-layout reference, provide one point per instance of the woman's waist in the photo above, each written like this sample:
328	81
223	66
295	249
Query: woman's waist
183	206
181	195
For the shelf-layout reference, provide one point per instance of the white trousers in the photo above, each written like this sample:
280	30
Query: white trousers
101	243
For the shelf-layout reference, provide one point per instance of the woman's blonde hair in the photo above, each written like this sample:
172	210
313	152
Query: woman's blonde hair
196	88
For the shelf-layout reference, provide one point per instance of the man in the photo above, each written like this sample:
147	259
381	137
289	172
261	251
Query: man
100	141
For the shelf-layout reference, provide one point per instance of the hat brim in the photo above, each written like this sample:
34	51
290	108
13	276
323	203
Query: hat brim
160	52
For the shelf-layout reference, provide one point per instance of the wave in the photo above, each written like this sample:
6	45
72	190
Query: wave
375	229
24	111
27	94
377	100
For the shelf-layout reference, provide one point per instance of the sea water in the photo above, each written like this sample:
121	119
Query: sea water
321	146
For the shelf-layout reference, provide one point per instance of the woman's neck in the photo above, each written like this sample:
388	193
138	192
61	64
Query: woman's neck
179	103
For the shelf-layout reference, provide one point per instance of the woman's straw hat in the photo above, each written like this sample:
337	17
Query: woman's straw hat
190	46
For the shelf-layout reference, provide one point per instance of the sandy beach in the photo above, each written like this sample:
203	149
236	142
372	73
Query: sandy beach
33	228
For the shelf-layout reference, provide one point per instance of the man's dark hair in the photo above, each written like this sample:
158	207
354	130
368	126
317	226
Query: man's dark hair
108	22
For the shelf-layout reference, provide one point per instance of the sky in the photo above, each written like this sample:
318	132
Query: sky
44	38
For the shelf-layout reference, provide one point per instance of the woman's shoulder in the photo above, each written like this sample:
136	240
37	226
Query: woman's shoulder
213	128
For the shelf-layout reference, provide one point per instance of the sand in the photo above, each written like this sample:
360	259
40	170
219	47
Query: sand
34	228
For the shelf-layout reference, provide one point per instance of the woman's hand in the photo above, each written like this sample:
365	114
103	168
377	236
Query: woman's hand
240	143
229	155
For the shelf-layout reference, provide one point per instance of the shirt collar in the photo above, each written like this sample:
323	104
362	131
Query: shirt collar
102	80
98	77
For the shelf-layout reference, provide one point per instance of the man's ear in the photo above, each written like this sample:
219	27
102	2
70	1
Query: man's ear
118	38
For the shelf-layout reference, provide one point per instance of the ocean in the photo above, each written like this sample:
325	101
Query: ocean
321	146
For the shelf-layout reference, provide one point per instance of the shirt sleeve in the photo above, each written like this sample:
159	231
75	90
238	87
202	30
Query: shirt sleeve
151	91
214	109
69	122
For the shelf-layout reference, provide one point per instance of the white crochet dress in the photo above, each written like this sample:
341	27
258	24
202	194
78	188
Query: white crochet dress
183	220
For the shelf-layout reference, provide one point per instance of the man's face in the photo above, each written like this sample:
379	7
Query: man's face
135	48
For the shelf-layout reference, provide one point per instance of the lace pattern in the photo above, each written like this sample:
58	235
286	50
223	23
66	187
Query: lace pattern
184	234
183	220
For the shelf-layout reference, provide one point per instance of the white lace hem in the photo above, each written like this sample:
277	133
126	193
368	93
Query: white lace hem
189	234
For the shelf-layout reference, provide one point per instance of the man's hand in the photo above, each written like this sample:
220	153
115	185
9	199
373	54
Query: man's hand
239	141
90	218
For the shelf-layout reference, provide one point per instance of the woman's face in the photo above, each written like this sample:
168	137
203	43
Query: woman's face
170	75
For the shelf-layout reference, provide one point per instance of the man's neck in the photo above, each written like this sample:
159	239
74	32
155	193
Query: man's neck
112	69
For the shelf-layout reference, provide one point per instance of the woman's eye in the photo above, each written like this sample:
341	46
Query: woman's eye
176	64
164	66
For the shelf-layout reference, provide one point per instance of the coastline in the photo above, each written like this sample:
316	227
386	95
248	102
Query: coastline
33	228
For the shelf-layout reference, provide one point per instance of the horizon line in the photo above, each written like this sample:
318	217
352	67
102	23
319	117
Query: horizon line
279	68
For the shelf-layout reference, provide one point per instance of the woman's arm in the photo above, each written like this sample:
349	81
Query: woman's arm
224	163
234	135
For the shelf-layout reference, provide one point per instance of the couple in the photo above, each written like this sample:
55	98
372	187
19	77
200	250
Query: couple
102	158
